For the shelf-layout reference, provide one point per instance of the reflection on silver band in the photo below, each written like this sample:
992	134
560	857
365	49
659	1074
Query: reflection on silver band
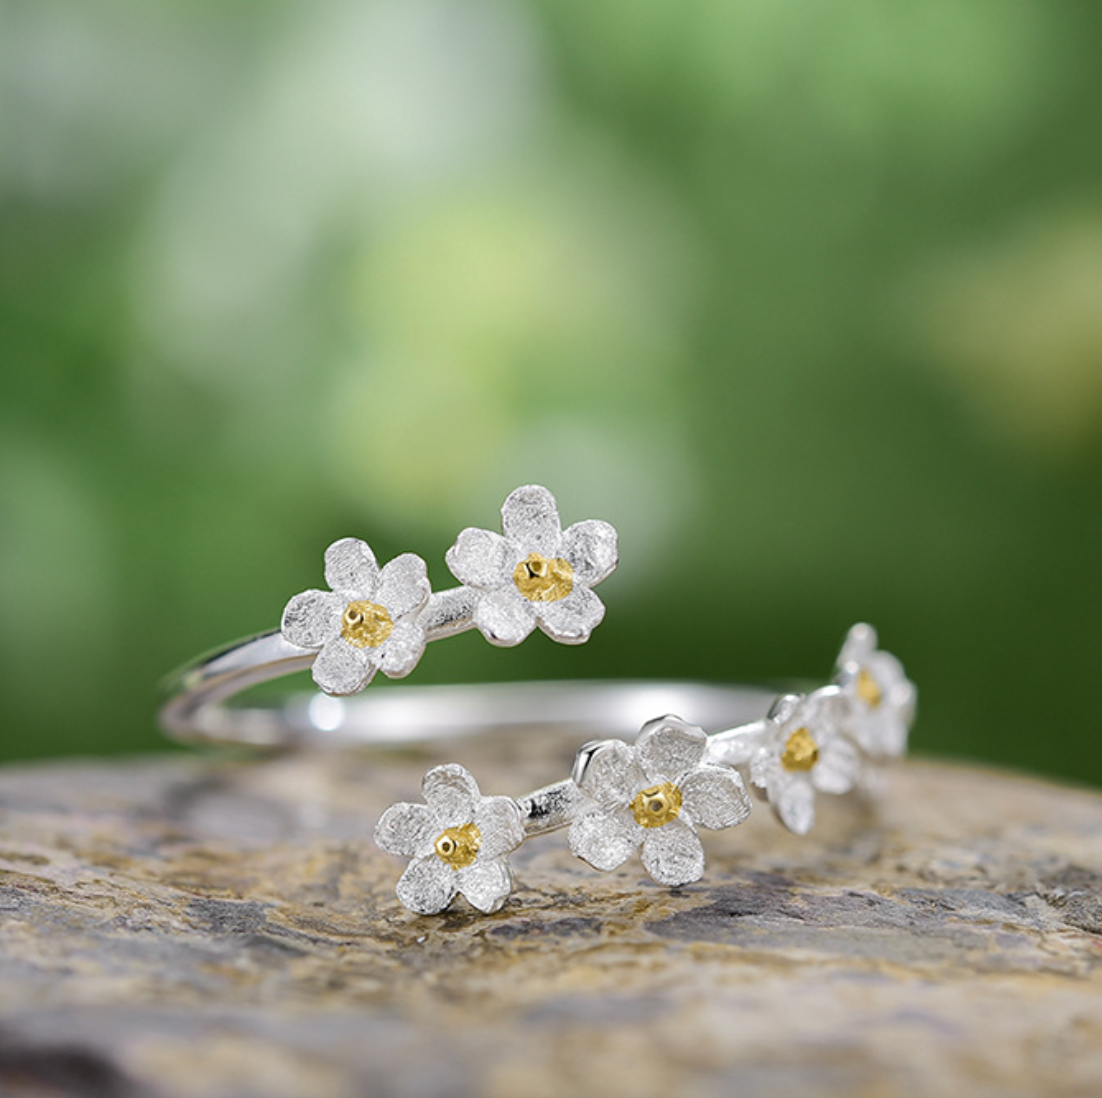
196	710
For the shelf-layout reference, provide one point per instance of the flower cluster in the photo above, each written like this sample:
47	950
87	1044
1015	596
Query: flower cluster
379	619
654	795
651	796
822	742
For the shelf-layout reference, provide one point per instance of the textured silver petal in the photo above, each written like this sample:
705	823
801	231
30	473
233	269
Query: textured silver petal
668	747
903	700
611	776
499	821
406	830
481	559
793	800
605	838
486	884
350	566
891	736
505	617
764	767
312	618
403	586
530	518
427	886
571	620
341	669
672	854
838	767
880	732
590	547
398	655
452	794
860	643
822	713
714	797
886	669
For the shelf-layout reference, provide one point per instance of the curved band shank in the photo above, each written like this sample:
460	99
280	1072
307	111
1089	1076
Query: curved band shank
195	709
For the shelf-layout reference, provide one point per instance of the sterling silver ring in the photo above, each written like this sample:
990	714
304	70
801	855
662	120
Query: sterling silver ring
650	796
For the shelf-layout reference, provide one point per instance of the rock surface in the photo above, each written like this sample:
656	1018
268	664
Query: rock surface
184	927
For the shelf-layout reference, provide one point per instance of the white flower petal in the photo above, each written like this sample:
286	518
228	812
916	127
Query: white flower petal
427	886
403	586
668	747
610	775
892	735
571	620
481	558
714	797
312	618
590	547
530	518
764	768
342	669
486	884
406	830
452	794
838	766
499	822
398	655
903	700
860	643
605	839
350	567
793	800
672	854
821	713
505	617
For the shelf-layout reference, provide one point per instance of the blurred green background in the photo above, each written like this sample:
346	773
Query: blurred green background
805	298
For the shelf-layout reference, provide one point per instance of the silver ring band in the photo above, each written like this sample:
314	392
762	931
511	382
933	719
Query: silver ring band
195	711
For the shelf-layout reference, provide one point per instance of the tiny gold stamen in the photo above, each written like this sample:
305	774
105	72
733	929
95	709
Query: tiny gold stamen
366	624
801	752
458	846
544	579
868	690
657	806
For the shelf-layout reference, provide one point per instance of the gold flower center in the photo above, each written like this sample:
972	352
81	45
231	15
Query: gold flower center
801	752
366	624
868	690
544	579
657	806
458	846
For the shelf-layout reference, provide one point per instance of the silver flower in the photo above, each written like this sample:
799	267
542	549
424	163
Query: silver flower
457	843
536	574
800	750
367	623
655	795
882	698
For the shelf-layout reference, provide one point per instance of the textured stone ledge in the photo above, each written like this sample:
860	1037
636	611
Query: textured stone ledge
185	927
